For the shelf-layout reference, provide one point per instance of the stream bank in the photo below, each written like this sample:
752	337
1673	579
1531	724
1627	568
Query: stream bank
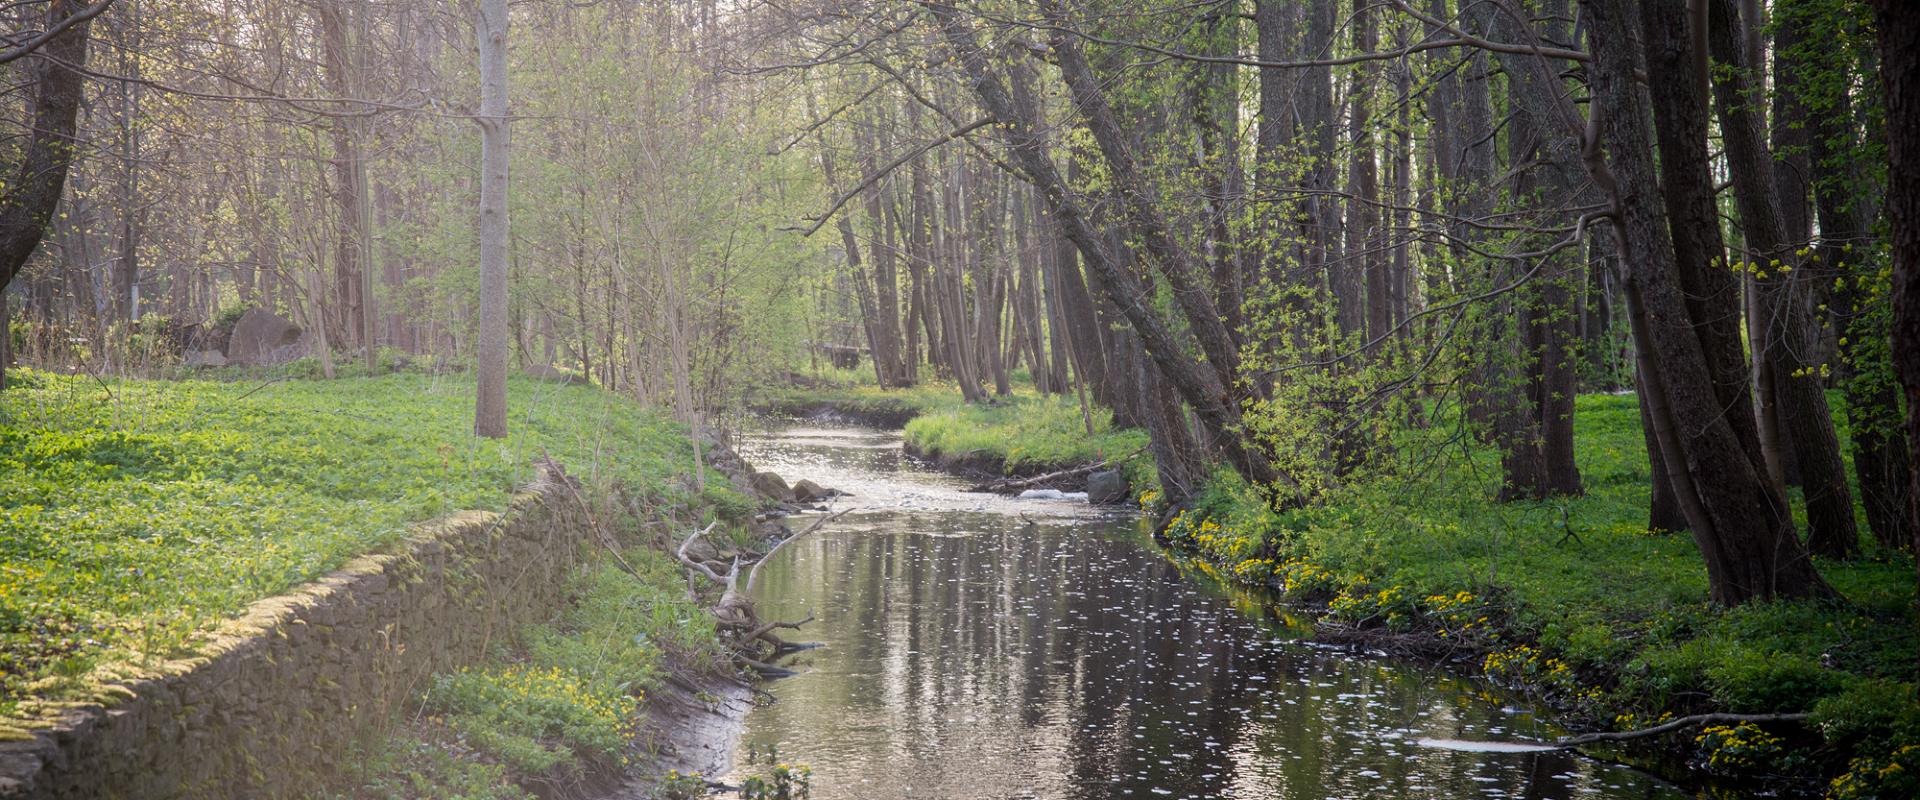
1610	643
979	645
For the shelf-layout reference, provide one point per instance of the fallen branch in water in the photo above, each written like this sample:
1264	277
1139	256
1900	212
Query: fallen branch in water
1012	485
1673	725
754	574
734	612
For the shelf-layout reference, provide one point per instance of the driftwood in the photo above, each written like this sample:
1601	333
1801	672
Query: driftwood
1013	485
1571	742
1673	725
747	635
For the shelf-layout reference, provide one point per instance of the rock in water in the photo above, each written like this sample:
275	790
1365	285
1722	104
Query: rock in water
772	486
1107	487
263	338
807	491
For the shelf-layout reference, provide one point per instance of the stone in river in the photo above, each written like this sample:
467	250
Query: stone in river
1107	487
772	486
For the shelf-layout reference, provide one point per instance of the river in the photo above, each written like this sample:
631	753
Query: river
975	646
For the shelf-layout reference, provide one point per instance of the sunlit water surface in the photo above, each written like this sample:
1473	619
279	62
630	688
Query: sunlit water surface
983	647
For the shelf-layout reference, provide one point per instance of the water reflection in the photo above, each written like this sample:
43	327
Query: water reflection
977	654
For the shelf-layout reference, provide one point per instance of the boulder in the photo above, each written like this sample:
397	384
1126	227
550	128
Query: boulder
807	491
771	486
203	358
263	338
1107	487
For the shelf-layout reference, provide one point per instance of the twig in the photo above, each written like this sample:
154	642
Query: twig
754	574
704	569
1012	484
1673	725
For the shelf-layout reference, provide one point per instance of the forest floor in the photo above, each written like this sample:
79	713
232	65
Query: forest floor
135	515
1572	601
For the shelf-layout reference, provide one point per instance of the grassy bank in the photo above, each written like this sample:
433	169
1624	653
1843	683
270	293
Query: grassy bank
1024	433
134	515
1574	601
559	708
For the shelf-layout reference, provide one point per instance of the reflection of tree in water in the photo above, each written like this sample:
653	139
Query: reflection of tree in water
972	656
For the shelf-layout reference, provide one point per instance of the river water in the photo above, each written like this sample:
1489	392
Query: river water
982	647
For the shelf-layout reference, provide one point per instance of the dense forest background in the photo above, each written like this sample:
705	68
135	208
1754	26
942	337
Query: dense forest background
1269	233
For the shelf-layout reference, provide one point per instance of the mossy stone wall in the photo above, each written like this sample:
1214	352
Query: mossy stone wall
273	706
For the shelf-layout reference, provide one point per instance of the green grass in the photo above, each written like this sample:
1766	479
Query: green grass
1024	431
134	514
562	698
1574	597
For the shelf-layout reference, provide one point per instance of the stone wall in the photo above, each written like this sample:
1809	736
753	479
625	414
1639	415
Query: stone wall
273	705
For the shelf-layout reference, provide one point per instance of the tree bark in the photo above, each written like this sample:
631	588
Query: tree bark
1790	336
1738	518
58	86
490	341
1898	30
1360	283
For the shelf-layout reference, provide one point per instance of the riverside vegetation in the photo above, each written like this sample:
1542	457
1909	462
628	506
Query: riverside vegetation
135	515
1573	601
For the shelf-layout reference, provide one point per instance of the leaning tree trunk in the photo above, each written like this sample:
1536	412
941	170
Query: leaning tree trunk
1200	386
490	343
1711	293
1789	341
58	84
1898	22
1739	520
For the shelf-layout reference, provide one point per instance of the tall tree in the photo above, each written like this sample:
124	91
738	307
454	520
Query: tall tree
1738	517
490	341
58	80
1198	384
1898	27
1789	329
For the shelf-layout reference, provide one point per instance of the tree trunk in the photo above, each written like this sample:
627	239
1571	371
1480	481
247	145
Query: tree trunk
1739	520
1026	297
1200	386
1537	431
1664	513
1360	284
58	86
1790	337
490	340
1146	223
884	328
1881	461
1274	133
1898	29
